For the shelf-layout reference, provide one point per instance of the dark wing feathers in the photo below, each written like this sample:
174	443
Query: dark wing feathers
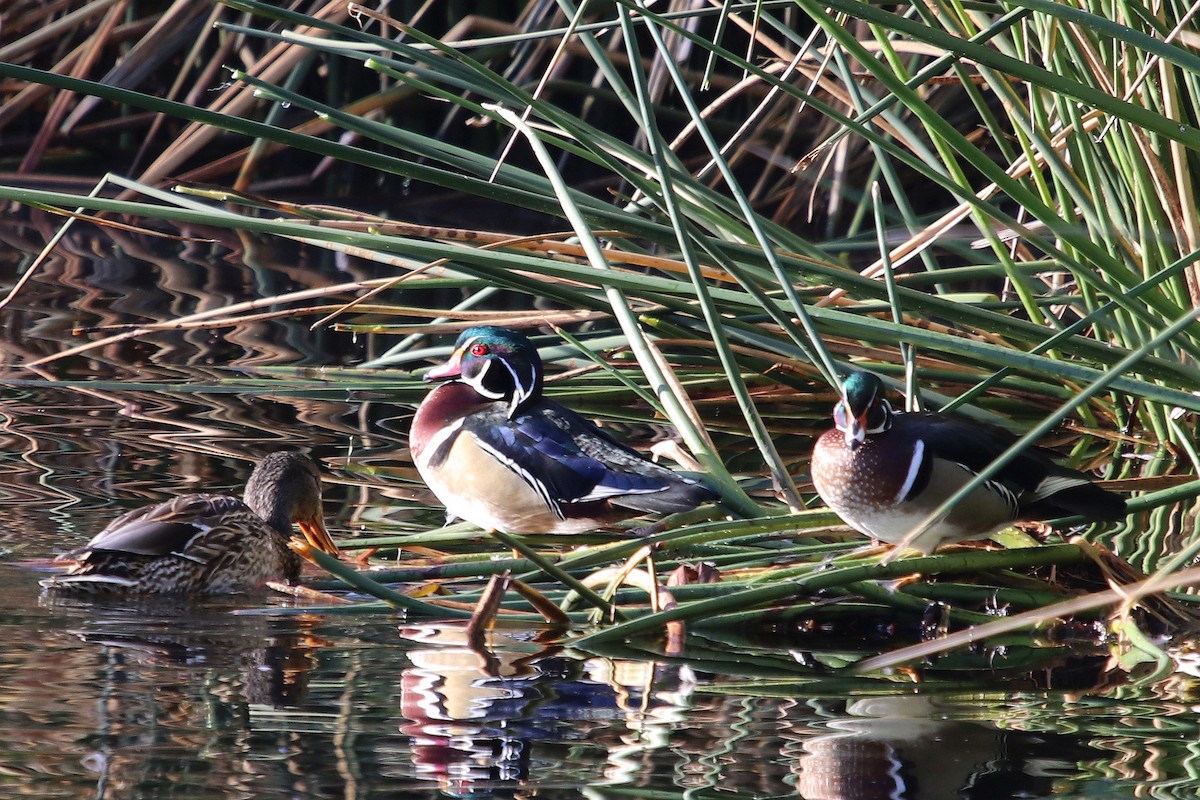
578	463
975	445
1046	489
682	495
165	528
588	438
1084	499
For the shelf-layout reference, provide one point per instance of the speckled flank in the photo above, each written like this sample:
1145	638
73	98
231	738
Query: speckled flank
205	543
908	465
241	565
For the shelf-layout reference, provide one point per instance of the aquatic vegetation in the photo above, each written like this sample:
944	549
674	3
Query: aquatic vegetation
733	206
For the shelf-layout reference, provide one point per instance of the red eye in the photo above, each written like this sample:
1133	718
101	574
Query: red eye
479	349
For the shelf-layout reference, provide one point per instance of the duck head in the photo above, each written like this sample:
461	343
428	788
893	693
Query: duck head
498	363
284	488
863	409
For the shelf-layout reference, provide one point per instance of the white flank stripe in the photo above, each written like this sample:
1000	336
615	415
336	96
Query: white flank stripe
604	492
106	579
439	438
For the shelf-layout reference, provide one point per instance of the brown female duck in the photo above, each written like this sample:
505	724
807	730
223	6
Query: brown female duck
206	543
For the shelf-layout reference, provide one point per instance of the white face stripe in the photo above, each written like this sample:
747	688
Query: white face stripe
476	382
519	394
914	469
520	390
516	379
845	421
886	422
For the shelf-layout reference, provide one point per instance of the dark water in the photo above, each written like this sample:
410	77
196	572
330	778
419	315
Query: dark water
255	697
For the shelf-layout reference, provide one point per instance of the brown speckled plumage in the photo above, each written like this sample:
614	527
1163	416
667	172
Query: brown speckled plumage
865	485
206	543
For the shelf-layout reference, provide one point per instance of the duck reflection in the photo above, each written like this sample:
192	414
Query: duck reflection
273	673
269	658
475	717
656	703
176	692
925	747
521	717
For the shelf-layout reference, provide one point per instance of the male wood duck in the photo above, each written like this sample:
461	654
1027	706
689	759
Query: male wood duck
206	543
500	455
884	473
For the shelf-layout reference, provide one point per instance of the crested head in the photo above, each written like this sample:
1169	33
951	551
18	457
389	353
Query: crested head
285	488
498	363
859	391
863	409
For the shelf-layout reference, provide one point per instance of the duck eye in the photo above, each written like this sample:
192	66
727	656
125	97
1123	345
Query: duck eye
479	349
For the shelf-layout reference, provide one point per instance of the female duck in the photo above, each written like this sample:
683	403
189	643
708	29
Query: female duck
206	543
499	455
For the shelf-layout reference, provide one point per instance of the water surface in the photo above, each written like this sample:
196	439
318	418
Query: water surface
255	697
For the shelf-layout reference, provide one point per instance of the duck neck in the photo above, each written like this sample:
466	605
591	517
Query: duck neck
443	406
280	520
270	503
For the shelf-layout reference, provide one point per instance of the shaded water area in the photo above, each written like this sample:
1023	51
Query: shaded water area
257	697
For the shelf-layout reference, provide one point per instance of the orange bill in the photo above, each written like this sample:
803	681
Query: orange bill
315	532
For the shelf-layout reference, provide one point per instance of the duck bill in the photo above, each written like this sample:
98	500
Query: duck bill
856	431
451	369
317	535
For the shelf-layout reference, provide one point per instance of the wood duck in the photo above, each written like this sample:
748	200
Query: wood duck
884	473
501	456
206	543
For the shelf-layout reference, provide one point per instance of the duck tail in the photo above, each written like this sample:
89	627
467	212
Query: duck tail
1075	495
681	495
